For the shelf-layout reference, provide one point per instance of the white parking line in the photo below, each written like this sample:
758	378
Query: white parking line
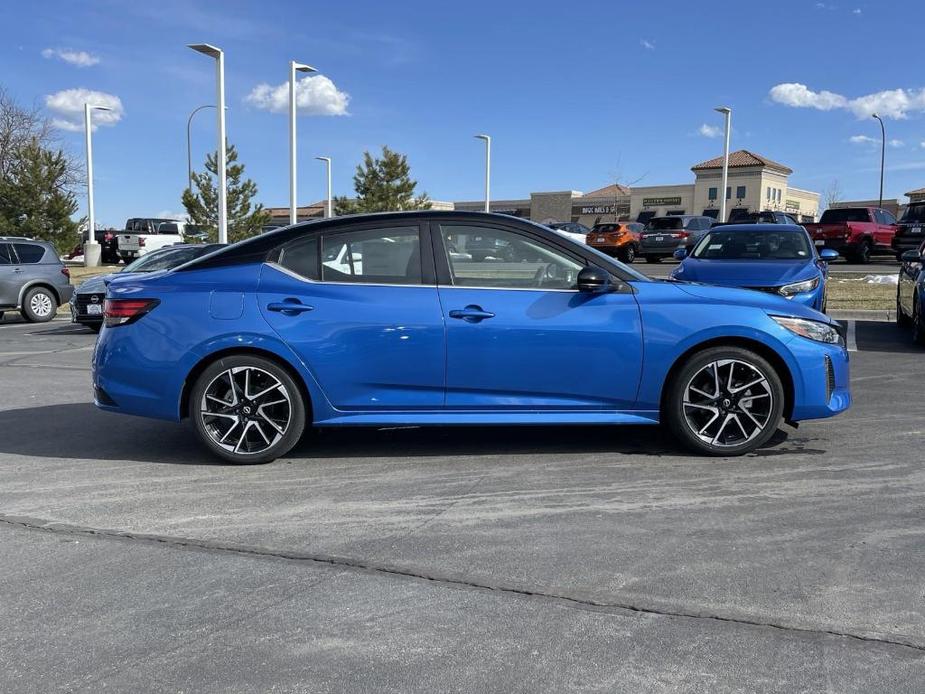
852	343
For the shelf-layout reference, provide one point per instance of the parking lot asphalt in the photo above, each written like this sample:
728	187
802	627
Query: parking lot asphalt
488	559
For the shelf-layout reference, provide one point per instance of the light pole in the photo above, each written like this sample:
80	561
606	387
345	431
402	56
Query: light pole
221	164
328	209
727	112
882	155
293	68
189	155
487	139
92	248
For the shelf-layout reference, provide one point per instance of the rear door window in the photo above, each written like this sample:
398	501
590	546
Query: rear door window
6	254
387	255
29	253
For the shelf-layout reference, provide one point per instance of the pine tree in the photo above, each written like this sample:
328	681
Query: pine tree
383	185
202	206
35	199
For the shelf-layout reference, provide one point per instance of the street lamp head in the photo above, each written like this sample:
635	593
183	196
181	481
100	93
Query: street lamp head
874	115
100	108
723	109
327	159
483	137
302	67
206	49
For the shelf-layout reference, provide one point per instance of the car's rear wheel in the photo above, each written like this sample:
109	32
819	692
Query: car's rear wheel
247	409
628	254
725	401
39	305
862	255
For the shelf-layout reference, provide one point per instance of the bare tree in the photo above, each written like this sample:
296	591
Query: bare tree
622	183
833	194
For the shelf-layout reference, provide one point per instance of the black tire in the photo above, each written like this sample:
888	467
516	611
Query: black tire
653	258
862	254
918	322
95	327
239	415
39	305
902	320
628	254
728	406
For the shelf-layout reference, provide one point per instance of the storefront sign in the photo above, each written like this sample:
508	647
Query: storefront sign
792	205
584	210
658	202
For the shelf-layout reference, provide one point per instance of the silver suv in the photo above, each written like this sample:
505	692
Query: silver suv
33	280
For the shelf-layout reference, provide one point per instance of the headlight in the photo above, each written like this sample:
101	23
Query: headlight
810	329
791	290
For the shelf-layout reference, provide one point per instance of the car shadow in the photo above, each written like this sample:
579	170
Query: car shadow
80	431
881	336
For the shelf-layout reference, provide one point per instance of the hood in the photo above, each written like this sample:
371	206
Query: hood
94	285
771	303
746	273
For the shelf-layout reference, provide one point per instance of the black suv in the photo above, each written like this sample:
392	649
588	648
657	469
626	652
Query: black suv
910	229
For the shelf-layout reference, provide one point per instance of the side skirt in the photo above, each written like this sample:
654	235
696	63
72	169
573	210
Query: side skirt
502	418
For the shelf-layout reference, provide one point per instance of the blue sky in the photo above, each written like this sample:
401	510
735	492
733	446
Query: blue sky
573	94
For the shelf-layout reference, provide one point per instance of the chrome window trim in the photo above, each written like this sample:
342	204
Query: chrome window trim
308	280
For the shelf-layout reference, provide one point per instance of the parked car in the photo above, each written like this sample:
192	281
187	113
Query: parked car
774	258
616	239
910	229
910	293
260	339
662	236
763	217
855	232
143	235
87	302
573	230
33	280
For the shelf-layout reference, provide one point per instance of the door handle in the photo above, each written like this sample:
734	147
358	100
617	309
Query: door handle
471	314
17	269
290	307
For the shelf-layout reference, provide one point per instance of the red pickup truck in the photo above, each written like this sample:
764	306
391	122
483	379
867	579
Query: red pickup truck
855	232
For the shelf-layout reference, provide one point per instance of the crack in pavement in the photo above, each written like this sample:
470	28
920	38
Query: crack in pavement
37	524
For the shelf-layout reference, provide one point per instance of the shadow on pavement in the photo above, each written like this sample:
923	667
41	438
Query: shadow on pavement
81	432
880	336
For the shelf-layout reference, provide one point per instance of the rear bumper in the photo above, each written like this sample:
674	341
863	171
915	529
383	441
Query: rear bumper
901	244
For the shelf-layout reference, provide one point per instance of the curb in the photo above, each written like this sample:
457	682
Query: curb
882	315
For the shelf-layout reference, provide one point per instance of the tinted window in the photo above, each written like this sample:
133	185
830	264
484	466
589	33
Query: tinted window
663	223
740	192
301	257
168	229
29	252
845	214
485	257
163	261
711	194
753	245
6	254
914	213
888	218
390	255
605	228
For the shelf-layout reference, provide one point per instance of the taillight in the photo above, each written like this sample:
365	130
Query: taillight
66	272
124	311
107	236
141	240
681	235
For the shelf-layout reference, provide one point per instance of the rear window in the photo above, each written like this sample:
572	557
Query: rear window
847	214
605	228
663	223
29	252
914	213
6	254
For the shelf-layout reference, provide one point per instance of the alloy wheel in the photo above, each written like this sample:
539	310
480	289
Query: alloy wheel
41	304
246	410
728	403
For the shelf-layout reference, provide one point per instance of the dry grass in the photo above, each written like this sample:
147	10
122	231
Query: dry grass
855	294
80	273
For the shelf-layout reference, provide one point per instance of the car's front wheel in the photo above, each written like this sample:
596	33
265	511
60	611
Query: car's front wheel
247	409
39	305
725	401
628	254
902	320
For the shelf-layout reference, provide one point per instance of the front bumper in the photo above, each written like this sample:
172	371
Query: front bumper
824	389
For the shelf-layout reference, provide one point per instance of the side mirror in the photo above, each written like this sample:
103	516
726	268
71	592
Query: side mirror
911	257
680	253
594	280
828	255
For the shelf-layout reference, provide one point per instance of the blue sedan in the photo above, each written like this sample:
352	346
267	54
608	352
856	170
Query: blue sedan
775	258
395	319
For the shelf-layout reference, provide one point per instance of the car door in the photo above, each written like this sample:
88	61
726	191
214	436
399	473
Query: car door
518	333
10	276
886	228
360	308
909	275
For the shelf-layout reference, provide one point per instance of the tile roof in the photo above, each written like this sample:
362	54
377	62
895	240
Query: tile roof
608	191
741	158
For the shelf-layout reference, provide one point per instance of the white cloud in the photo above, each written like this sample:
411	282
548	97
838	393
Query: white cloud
68	108
168	214
315	96
856	10
891	103
896	143
78	58
922	144
800	96
648	45
710	130
863	140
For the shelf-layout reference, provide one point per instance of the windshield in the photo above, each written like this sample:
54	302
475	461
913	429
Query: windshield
164	260
753	245
847	214
914	213
662	223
